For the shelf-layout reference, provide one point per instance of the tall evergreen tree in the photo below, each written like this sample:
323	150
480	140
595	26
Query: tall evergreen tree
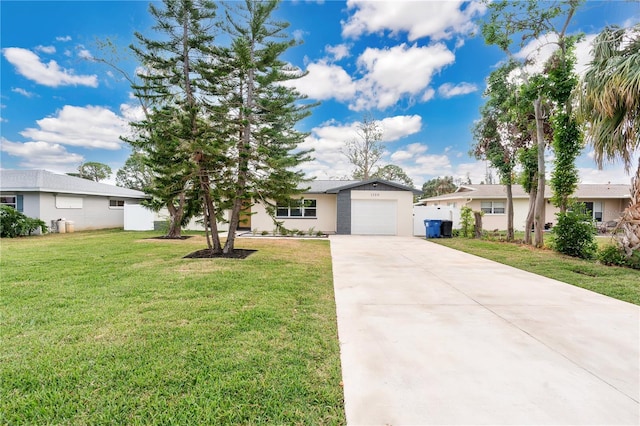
262	113
173	131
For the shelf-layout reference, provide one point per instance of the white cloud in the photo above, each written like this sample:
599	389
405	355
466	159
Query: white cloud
63	38
23	92
325	81
298	35
390	74
428	94
338	52
448	90
88	127
434	19
85	54
398	127
28	64
42	155
46	49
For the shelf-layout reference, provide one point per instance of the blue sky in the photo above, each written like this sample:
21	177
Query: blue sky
412	65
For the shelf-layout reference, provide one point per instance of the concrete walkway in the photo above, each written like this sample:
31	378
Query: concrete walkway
430	335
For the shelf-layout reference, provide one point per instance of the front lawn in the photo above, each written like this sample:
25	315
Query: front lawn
111	327
613	281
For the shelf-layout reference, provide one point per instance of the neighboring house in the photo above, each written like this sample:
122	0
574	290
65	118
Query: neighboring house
372	207
605	202
49	196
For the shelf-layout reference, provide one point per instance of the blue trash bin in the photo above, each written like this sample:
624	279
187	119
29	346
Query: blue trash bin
432	228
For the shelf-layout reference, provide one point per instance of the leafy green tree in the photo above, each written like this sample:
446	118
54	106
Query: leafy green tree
528	21
528	159
609	102
567	137
500	132
135	173
365	150
393	173
438	186
93	171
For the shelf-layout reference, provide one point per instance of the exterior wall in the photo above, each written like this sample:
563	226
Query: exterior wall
343	226
325	220
404	205
94	214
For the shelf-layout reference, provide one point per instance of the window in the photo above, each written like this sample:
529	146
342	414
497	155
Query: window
116	204
297	208
9	200
65	202
595	210
451	205
492	207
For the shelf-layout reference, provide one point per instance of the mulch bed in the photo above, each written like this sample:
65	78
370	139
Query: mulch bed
206	254
184	237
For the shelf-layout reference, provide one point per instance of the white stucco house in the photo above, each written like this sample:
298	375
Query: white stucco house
49	196
605	202
372	207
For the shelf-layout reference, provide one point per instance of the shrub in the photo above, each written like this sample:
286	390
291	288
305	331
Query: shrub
574	234
612	255
466	221
14	224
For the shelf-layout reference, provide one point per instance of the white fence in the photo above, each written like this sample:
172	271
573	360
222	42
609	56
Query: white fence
422	213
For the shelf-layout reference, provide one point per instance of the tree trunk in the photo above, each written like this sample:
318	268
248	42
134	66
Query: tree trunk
539	215
477	231
530	214
629	238
213	241
175	217
510	236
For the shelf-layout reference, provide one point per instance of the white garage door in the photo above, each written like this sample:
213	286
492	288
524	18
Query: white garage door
374	217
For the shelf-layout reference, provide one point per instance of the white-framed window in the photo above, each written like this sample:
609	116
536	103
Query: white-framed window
9	200
451	205
595	209
492	207
297	208
116	204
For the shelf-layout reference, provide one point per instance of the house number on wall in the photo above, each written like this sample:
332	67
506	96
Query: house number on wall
375	194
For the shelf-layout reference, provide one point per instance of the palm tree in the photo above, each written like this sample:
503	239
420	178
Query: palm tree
609	103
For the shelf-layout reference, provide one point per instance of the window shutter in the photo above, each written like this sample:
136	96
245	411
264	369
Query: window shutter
19	203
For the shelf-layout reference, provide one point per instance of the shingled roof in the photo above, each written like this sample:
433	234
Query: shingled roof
585	190
45	181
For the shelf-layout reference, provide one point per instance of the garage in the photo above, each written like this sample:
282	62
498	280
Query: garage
374	217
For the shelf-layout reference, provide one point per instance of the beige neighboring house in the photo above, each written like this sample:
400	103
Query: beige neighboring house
604	201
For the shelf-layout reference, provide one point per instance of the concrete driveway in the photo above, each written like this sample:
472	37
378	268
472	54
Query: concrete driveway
430	335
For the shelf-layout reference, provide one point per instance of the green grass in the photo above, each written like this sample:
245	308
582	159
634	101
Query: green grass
616	282
109	327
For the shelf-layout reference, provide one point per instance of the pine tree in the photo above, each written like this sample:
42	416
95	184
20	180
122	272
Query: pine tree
261	113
